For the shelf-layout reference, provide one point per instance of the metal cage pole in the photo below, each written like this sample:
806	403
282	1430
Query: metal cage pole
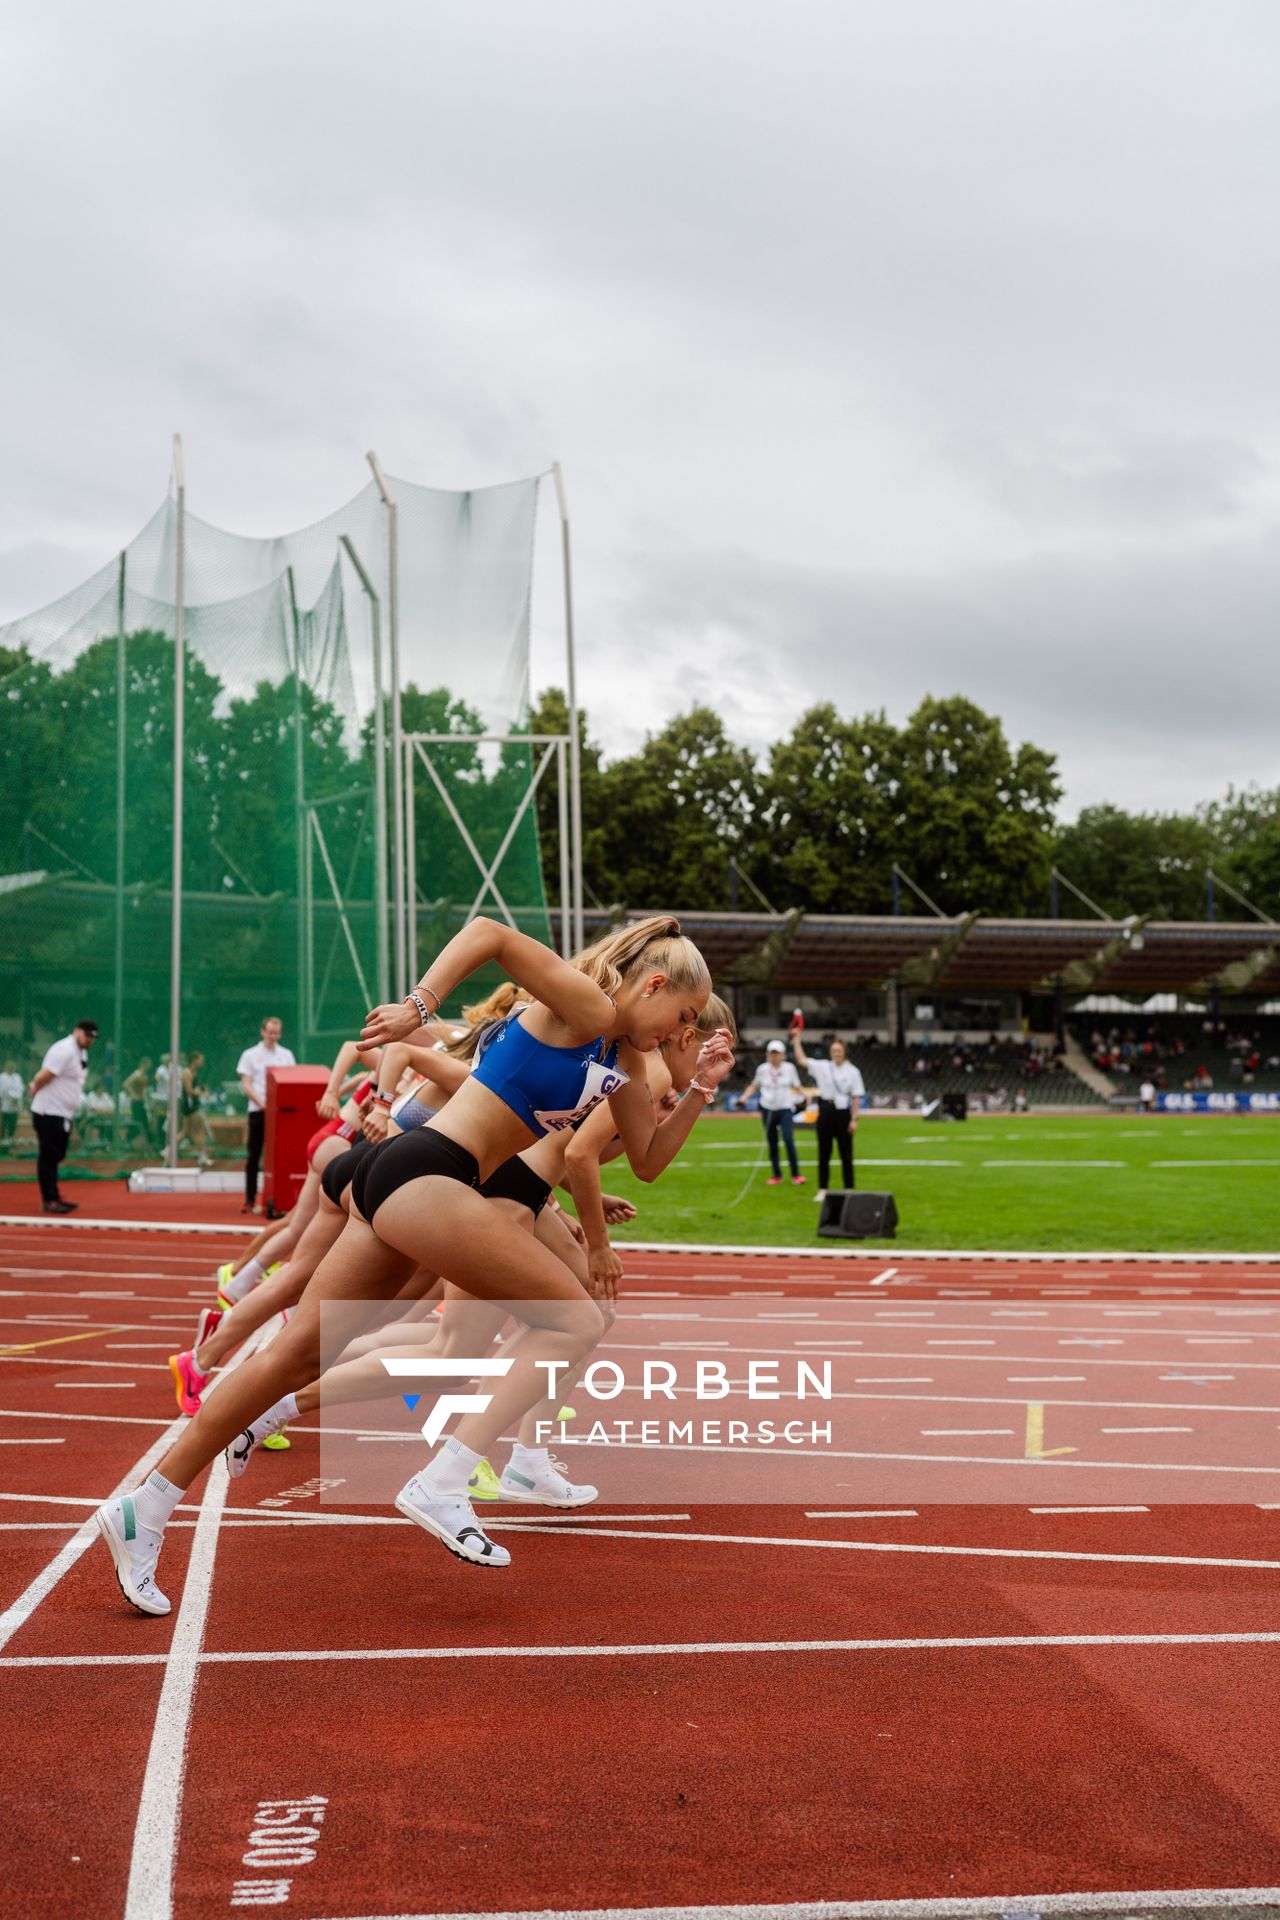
409	747
302	824
118	1016
400	955
179	755
562	801
575	749
379	775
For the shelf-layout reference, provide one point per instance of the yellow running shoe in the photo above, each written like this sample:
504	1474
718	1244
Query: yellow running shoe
483	1484
274	1267
278	1442
567	1413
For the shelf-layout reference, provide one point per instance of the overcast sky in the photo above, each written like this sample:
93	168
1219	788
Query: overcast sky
889	346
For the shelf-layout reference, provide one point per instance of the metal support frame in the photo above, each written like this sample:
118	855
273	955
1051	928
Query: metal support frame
555	745
401	961
575	743
382	968
179	759
117	1023
303	847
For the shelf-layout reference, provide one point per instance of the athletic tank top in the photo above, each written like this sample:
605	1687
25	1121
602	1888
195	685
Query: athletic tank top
410	1112
547	1088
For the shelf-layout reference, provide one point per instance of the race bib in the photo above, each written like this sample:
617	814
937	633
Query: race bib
598	1083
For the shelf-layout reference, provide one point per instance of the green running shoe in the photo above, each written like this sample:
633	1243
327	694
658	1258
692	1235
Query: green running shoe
483	1484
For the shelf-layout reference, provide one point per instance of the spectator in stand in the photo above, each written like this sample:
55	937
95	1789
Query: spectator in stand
135	1088
1147	1096
840	1096
10	1102
55	1100
253	1066
779	1087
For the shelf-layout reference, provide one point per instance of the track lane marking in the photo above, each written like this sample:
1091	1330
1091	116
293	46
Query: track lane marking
947	1643
932	1909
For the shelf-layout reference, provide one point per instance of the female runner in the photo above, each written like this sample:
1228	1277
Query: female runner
415	1204
468	1327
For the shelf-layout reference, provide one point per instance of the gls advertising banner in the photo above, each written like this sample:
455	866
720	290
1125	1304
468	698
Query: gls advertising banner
1218	1102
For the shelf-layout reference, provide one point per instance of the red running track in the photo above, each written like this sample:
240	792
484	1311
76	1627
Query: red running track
705	1708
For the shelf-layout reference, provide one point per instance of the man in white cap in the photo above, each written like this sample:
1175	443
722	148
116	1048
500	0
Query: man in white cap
56	1093
779	1087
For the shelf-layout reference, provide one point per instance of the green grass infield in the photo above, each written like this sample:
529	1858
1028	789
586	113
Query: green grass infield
1102	1182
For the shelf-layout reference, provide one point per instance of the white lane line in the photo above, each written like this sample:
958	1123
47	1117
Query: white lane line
961	1433
149	1895
978	1908
893	1380
1148	1429
864	1513
96	1386
641	1649
1088	1509
1045	1379
59	1442
902	1546
881	1278
960	1343
108	1419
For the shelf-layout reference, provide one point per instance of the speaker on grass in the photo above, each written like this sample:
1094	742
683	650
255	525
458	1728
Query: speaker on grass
956	1106
858	1216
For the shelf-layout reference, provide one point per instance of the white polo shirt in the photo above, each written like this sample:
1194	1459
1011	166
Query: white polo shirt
67	1061
254	1062
840	1084
10	1093
779	1085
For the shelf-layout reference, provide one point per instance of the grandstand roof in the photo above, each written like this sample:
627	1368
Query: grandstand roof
808	952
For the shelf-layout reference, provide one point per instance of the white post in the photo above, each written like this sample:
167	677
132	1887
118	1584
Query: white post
379	776
400	959
179	750
575	754
562	798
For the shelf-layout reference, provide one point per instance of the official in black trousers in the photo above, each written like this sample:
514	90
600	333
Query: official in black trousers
840	1096
56	1093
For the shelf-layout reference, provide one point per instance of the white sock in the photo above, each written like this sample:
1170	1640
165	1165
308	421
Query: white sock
276	1416
450	1469
531	1461
250	1273
155	1500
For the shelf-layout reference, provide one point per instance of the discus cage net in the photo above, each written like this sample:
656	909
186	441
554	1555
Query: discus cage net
304	876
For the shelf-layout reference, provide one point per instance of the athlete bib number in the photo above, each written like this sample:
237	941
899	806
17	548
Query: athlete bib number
599	1083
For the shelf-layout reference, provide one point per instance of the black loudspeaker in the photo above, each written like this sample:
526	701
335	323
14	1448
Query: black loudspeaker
956	1106
858	1216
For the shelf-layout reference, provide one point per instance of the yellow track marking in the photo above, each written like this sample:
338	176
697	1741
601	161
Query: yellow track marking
1036	1449
63	1339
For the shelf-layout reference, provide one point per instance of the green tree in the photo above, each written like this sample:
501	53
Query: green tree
1245	831
672	814
1138	862
551	715
827	835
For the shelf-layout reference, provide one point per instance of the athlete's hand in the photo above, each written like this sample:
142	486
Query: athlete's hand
715	1061
573	1226
327	1105
604	1270
388	1023
616	1212
669	1101
377	1119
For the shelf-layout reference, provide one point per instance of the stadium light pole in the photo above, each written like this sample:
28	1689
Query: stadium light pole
379	772
575	751
400	960
179	747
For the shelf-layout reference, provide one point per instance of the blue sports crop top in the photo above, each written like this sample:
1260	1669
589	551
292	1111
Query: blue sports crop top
547	1088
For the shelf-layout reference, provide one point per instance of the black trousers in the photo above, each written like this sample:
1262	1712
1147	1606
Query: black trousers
52	1134
833	1129
257	1127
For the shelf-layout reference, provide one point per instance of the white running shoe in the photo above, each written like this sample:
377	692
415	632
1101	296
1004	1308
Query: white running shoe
245	1445
453	1524
550	1489
135	1550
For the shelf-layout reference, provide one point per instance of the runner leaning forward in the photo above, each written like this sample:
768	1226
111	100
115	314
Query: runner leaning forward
415	1204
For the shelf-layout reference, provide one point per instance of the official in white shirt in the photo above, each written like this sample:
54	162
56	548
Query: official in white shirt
779	1088
11	1090
840	1096
56	1093
253	1066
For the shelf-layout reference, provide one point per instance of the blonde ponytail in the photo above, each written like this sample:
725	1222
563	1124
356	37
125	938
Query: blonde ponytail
655	945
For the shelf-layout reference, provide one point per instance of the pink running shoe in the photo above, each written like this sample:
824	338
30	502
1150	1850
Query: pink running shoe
206	1326
774	1180
799	1179
188	1381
